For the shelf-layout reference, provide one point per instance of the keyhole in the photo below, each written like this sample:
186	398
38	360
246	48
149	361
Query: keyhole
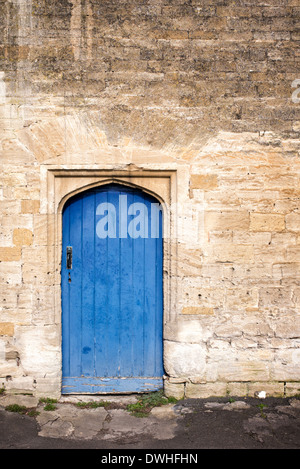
69	277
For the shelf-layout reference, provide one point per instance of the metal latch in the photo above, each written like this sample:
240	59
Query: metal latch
69	257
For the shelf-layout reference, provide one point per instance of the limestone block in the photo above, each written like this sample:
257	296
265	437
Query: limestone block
189	261
17	315
252	273
36	274
197	310
257	327
285	205
228	331
238	298
26	193
266	222
293	254
20	399
187	227
9	207
244	343
184	359
289	328
188	330
288	270
204	181
13	179
48	386
243	370
283	239
9	368
35	266
237	365
286	365
271	389
220	200
220	237
18	383
203	391
237	389
11	353
223	221
10	273
255	238
173	389
280	181
296	291
292	389
8	297
222	342
193	291
41	224
5	236
10	254
39	349
270	254
30	206
239	253
6	328
34	255
22	237
43	305
24	298
296	126
275	296
214	271
20	221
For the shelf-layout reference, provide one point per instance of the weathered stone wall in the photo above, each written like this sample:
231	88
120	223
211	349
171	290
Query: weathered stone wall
207	89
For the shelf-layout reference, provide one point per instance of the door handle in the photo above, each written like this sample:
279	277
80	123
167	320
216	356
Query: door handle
69	257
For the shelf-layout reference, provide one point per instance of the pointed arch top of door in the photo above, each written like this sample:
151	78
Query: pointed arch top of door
106	183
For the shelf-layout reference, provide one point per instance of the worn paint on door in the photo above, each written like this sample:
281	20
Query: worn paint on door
112	292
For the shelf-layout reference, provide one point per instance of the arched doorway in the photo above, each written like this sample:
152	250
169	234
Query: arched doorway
112	291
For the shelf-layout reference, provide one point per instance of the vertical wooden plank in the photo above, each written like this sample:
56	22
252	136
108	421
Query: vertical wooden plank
76	287
101	294
113	287
139	299
159	371
150	332
126	291
153	293
65	290
88	283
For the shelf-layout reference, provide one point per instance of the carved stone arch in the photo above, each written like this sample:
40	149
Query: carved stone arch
113	180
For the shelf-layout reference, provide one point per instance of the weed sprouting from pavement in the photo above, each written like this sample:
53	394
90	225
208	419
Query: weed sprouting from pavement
147	402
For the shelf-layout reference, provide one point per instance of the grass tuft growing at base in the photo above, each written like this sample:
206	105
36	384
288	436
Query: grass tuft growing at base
147	402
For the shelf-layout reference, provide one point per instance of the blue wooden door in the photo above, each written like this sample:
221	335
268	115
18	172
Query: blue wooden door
112	292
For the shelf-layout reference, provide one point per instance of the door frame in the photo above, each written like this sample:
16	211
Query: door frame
60	184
